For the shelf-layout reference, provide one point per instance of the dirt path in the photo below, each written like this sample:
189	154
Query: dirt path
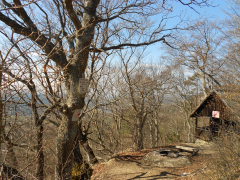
127	166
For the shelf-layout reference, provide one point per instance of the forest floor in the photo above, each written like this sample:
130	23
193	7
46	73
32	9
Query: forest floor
128	166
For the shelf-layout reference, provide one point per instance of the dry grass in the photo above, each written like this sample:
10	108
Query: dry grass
225	164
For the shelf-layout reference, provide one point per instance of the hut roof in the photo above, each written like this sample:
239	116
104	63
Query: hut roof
229	99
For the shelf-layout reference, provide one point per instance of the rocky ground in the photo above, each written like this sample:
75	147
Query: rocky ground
128	165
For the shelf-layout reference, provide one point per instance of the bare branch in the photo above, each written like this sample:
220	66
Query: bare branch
58	56
120	46
72	14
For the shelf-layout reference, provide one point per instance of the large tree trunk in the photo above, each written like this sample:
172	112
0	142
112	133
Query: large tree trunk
65	145
73	71
81	169
68	129
1	108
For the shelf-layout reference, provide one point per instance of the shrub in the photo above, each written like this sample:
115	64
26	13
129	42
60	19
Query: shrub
226	163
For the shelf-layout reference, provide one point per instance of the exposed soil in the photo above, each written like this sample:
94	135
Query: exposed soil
127	166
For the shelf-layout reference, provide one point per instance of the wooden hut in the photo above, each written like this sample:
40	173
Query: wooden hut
220	111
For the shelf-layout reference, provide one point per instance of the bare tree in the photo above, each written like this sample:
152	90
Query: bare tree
68	32
184	99
200	52
145	88
19	58
232	33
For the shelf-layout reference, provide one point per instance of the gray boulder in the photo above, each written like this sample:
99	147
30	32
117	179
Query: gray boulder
171	159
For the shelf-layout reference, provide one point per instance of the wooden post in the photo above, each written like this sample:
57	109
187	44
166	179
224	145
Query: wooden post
196	122
196	125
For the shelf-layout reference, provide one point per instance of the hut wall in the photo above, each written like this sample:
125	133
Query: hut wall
213	104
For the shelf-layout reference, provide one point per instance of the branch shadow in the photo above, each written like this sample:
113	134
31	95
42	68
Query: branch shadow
130	158
162	175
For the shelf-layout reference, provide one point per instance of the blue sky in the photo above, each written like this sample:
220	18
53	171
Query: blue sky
216	12
154	51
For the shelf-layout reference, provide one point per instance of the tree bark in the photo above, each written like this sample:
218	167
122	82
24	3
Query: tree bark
77	62
157	131
139	139
40	155
73	72
202	77
139	135
84	143
39	126
1	104
65	145
81	169
10	156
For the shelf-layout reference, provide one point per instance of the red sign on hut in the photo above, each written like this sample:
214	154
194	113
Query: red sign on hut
216	114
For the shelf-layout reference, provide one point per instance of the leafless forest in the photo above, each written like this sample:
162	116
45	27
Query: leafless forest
50	128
